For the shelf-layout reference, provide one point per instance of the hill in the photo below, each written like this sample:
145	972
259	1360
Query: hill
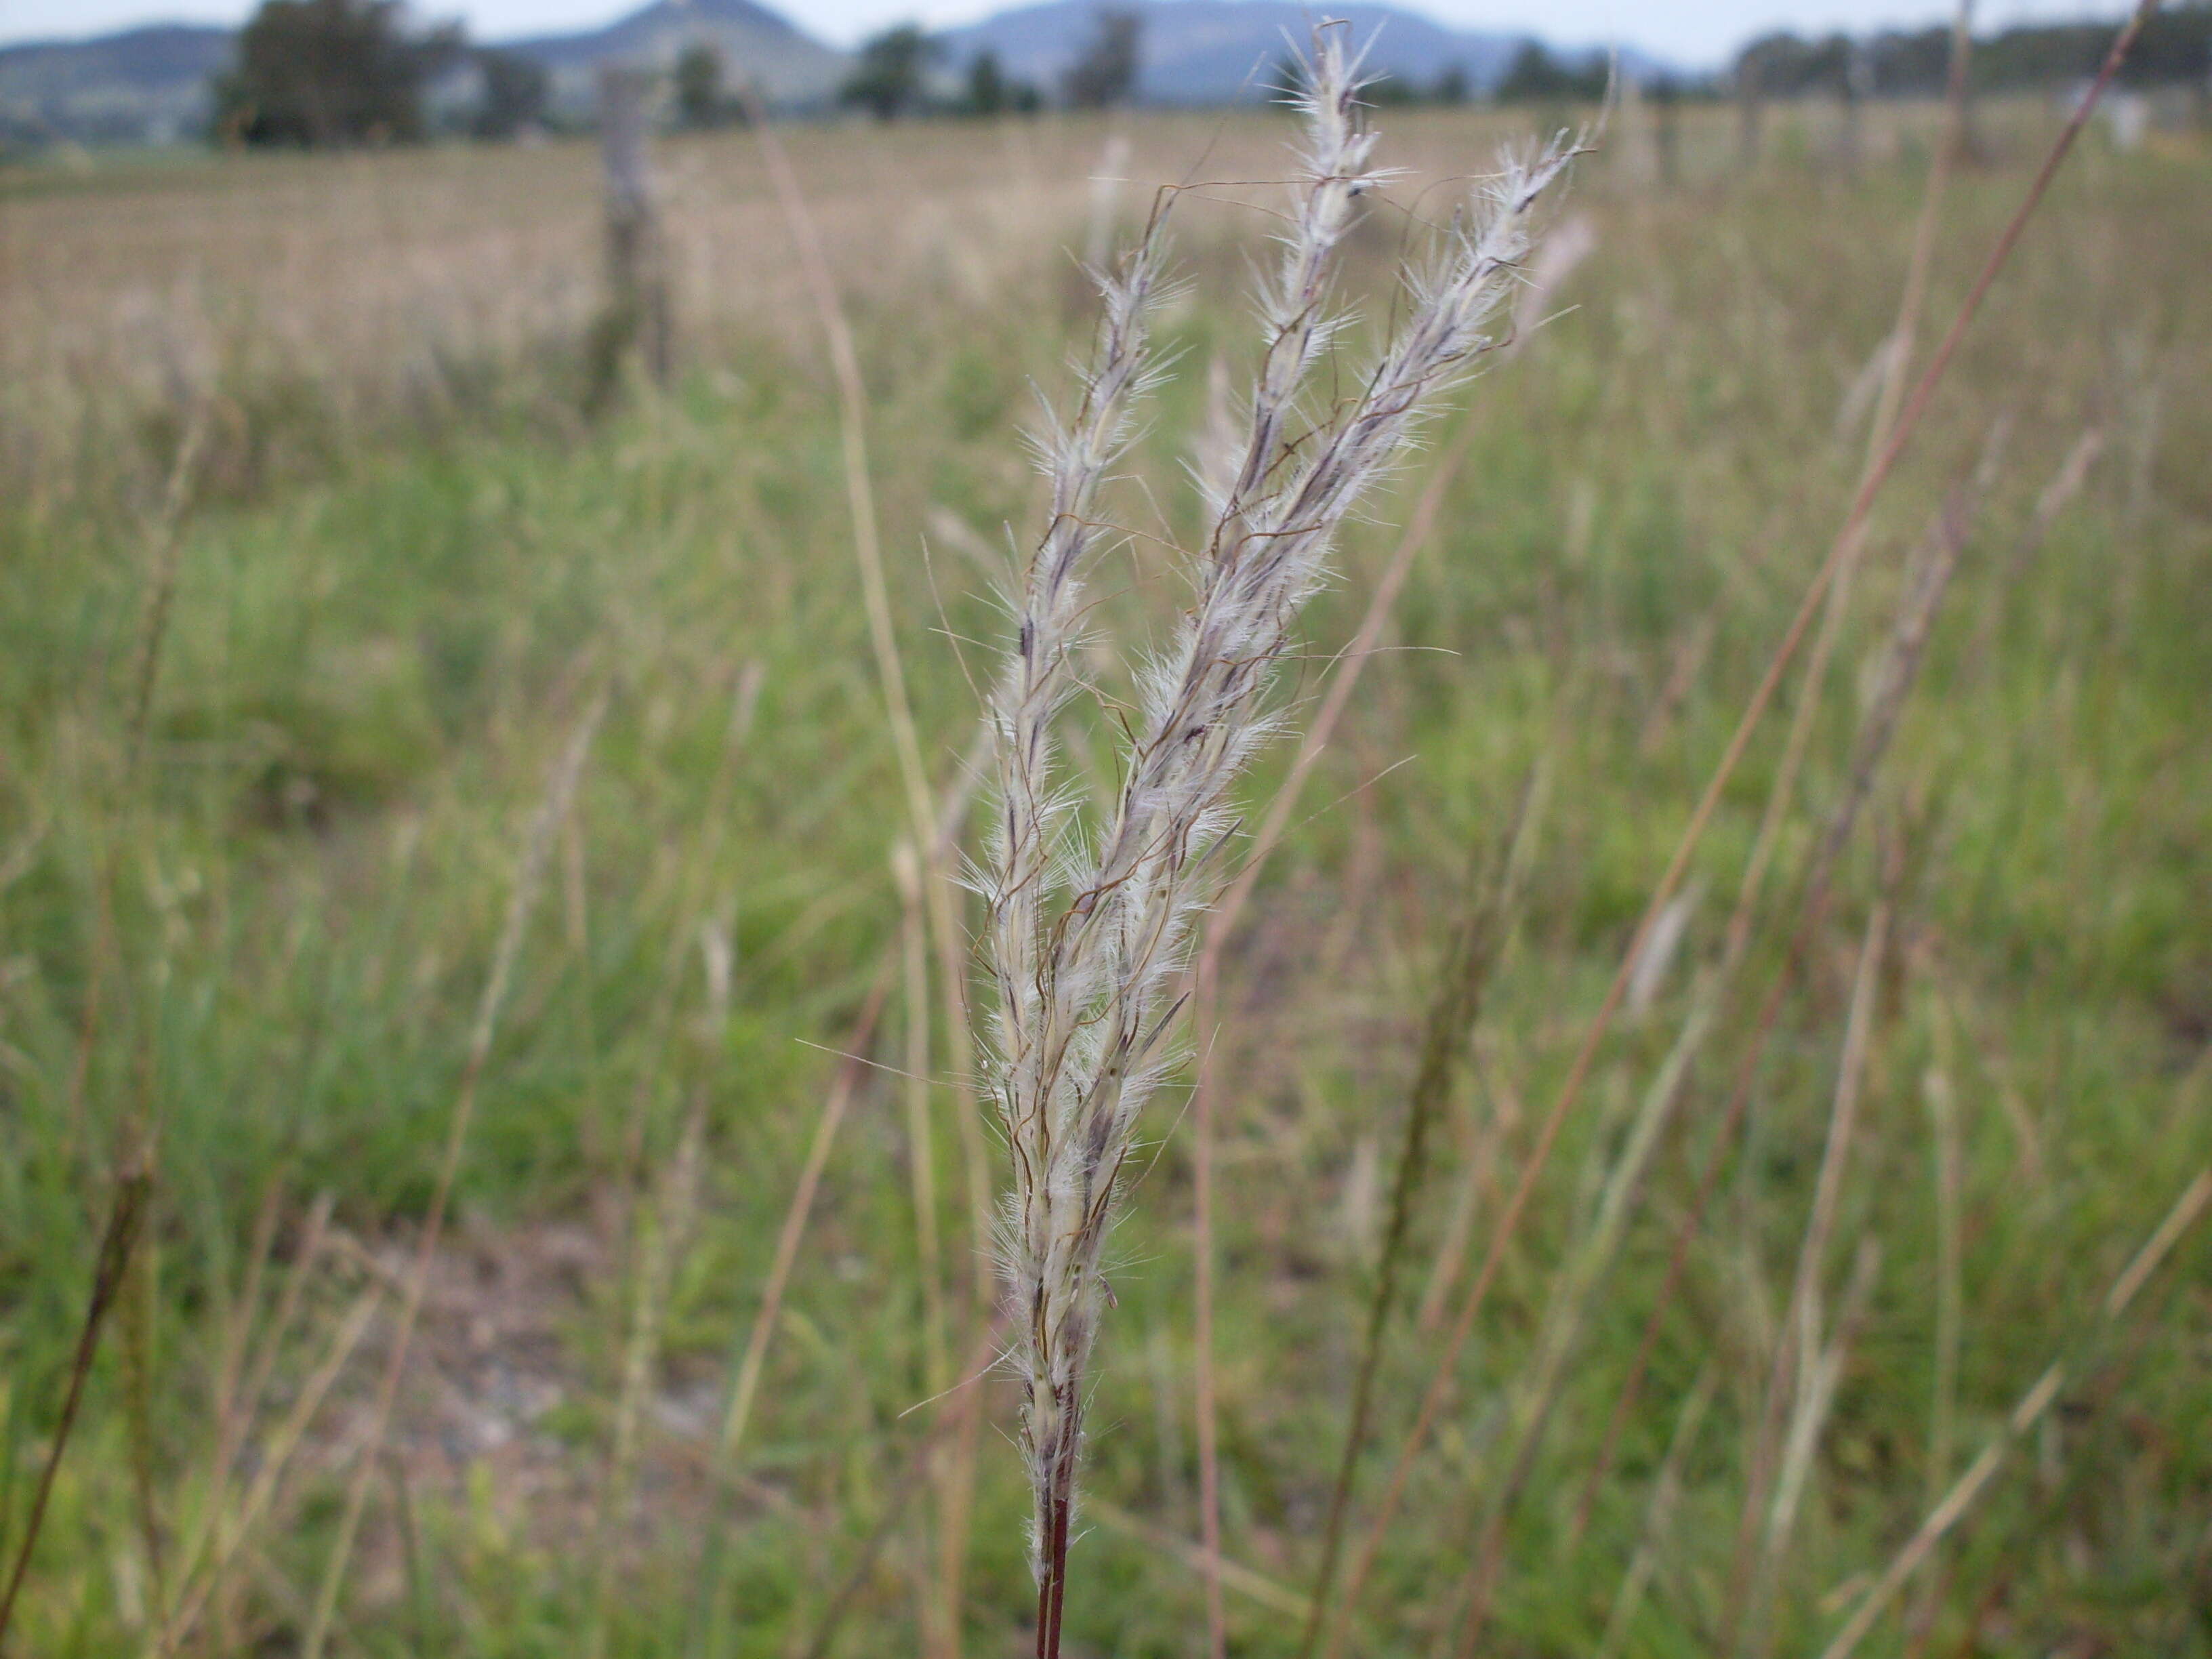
150	85
756	46
1215	52
142	86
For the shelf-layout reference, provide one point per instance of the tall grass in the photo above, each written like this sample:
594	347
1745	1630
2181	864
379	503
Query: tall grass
1087	930
696	1158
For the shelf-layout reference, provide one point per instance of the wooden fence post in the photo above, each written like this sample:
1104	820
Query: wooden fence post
1856	86
636	318
1750	111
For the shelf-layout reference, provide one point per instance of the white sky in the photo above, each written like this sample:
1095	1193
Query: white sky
1690	32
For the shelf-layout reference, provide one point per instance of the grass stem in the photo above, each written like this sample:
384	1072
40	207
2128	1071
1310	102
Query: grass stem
560	793
2024	1416
1476	944
1693	833
126	1211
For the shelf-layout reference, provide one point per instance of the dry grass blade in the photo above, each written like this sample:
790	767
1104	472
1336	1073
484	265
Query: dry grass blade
1476	944
691	901
664	1235
1907	645
1948	1160
1818	1382
752	1363
230	1366
737	1413
2065	484
922	1140
1693	833
1206	977
139	1318
952	1411
164	540
241	1400
1897	358
952	950
1666	1490
934	885
1536	1393
1796	1353
1478	1184
746	1388
2023	1417
1234	1575
560	793
227	1536
658	1231
851	416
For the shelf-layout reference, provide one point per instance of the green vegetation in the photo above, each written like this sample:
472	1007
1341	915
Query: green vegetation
2175	50
325	73
247	939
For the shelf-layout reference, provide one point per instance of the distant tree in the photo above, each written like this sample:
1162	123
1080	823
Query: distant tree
2174	47
1836	66
1451	86
1772	66
887	81
330	72
1663	94
701	102
1536	77
1910	66
992	91
1105	72
1387	90
987	84
515	94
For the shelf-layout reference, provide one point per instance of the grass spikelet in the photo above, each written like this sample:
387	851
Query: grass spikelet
1088	929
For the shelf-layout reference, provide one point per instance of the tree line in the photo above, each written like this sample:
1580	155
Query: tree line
327	74
2175	49
902	72
330	73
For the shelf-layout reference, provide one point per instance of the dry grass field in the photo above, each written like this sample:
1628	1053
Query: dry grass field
398	762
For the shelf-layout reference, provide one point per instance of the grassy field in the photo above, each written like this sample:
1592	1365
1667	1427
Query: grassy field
312	568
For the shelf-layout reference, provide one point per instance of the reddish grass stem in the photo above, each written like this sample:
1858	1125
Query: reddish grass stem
1869	490
952	1414
560	793
125	1211
1909	645
1477	942
2023	1417
1206	992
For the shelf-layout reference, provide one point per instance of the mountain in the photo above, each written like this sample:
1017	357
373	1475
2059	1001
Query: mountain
756	46
142	86
150	85
1217	51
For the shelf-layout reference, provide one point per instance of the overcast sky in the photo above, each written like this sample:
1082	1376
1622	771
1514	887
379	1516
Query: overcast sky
1690	32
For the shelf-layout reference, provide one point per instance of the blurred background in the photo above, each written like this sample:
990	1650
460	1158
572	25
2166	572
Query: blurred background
493	1155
